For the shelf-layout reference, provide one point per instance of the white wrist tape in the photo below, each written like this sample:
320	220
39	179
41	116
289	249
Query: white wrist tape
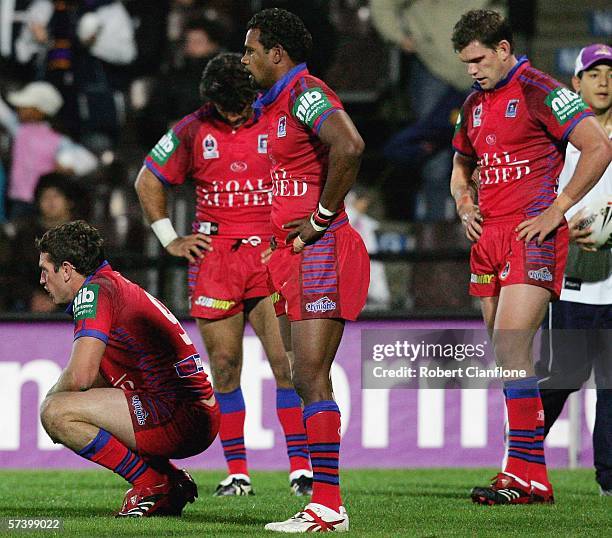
316	227
325	212
164	231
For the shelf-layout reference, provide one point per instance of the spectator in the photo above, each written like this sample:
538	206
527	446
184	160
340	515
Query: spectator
80	46
422	29
203	39
357	204
37	148
55	204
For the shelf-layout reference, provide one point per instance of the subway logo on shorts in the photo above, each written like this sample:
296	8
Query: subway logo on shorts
216	304
85	304
481	279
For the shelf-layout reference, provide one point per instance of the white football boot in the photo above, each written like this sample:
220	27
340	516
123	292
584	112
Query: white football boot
314	518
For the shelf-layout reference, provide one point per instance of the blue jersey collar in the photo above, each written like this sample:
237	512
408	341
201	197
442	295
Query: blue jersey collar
270	96
69	309
521	60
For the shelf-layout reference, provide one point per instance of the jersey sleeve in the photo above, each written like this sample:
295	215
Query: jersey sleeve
558	110
461	141
312	102
92	310
170	159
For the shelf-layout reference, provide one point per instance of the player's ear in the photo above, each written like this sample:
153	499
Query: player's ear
504	49
576	84
277	53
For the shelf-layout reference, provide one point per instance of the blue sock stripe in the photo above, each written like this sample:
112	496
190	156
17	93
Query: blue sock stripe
519	444
521	433
539	431
318	407
232	442
522	388
98	443
230	402
231	457
123	462
324	447
139	472
296	437
135	470
131	466
324	462
526	457
287	398
298	453
327	478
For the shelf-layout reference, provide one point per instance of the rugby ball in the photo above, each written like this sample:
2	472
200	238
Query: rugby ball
597	215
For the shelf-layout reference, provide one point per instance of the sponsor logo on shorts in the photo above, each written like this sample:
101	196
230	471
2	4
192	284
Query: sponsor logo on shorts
281	129
324	304
275	297
85	304
216	304
477	116
512	108
190	366
210	147
505	272
565	104
481	279
165	148
542	274
141	414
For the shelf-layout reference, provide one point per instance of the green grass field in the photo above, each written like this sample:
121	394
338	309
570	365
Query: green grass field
424	502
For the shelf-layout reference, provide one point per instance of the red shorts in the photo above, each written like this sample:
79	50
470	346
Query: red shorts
498	259
225	277
171	429
328	279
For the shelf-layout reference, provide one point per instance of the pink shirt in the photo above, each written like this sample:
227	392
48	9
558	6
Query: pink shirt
35	147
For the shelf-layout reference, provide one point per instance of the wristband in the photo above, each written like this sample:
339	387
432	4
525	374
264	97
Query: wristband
164	231
325	212
320	226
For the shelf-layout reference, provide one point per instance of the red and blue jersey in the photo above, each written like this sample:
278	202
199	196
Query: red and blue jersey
296	107
518	133
146	347
229	166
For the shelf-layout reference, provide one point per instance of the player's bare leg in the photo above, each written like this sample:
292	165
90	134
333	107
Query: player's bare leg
288	404
97	425
519	313
223	341
315	343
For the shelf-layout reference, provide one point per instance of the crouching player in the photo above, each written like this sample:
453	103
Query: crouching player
134	393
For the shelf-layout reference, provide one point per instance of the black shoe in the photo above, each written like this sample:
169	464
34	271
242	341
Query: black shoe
503	490
234	486
301	486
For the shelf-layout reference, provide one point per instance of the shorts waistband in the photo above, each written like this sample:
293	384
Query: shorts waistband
509	219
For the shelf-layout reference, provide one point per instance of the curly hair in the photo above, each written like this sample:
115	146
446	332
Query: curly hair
226	83
76	242
486	26
281	27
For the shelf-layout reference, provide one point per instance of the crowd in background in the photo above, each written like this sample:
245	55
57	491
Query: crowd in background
89	86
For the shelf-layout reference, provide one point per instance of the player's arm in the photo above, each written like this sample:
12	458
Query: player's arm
464	193
83	369
595	156
345	149
154	200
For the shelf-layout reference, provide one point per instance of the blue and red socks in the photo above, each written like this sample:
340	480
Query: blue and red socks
231	431
289	411
111	453
525	461
322	420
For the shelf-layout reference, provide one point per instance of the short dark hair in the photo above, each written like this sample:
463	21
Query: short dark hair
215	31
76	242
226	82
54	181
281	27
483	25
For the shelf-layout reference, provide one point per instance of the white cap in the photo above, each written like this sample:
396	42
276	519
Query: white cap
40	95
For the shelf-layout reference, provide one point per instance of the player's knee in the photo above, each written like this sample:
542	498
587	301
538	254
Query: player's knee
225	370
52	415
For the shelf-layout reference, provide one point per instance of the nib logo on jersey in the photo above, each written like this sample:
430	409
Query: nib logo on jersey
324	304
85	304
501	167
565	104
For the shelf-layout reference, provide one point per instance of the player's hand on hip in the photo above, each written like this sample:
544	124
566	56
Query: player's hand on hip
539	227
303	234
472	221
580	236
192	247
